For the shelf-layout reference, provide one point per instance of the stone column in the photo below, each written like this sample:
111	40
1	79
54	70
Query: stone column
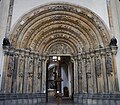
99	72
89	73
114	52
104	73
5	69
39	80
84	80
30	73
43	75
26	71
109	70
75	75
79	74
10	71
14	79
20	73
93	72
35	77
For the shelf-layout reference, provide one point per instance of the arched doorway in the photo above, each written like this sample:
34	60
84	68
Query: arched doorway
60	77
62	30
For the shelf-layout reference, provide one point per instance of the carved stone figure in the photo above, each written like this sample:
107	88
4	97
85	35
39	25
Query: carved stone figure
109	65
98	67
6	42
113	42
10	67
31	65
88	67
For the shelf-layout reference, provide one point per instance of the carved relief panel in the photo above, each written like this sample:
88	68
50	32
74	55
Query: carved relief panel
59	48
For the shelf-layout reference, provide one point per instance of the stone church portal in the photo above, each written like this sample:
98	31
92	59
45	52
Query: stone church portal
73	33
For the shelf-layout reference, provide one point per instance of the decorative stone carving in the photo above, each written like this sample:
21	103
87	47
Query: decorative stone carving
77	27
109	65
21	74
39	76
21	63
44	24
30	74
31	65
98	67
59	48
88	66
10	66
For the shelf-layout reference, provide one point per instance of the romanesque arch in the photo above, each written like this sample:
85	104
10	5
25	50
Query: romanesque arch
60	29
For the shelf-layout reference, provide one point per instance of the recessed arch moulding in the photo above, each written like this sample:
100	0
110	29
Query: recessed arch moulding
74	28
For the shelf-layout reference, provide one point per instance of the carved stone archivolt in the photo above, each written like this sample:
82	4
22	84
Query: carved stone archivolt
78	26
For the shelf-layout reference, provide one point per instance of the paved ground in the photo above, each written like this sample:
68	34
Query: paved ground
59	104
63	101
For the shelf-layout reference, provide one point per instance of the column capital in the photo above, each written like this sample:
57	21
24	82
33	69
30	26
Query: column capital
27	53
83	55
114	49
102	51
6	50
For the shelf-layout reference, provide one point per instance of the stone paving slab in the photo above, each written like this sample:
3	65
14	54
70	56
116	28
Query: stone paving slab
60	104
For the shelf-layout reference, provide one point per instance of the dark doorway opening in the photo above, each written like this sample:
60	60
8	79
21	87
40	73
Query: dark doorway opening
59	78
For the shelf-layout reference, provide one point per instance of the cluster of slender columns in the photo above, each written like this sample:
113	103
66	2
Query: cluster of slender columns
94	71
22	71
97	71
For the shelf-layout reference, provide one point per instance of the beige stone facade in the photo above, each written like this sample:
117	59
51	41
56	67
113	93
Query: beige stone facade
62	30
76	34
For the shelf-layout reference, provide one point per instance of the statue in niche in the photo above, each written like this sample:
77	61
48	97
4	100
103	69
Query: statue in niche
109	65
113	42
98	67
